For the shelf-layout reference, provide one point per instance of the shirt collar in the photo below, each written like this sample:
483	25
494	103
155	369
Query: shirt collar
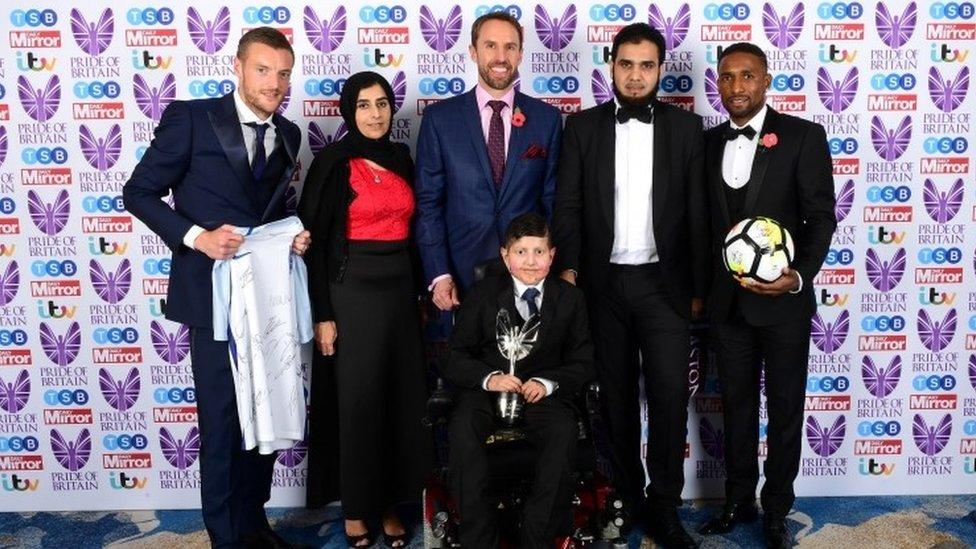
756	122
483	97
520	286
245	114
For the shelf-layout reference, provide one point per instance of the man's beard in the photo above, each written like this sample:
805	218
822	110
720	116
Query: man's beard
495	83
641	101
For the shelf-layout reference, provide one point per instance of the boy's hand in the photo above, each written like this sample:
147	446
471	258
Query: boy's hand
503	383
533	391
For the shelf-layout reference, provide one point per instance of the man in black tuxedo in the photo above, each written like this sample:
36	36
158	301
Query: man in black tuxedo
560	362
764	163
630	226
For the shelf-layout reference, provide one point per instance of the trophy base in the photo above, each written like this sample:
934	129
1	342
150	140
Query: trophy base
508	409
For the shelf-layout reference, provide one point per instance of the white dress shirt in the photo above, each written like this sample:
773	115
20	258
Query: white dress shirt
633	221
245	115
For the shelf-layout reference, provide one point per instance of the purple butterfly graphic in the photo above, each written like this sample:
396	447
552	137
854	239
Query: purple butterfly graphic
325	35
120	394
895	31
880	382
40	104
172	348
825	441
674	29
885	275
602	92
948	94
711	91
555	33
317	140
3	144
399	85
972	371
9	283
936	336
931	440
14	395
942	207
153	101
712	439
180	453
291	200
891	144
294	455
62	350
49	218
440	34
101	154
845	199
112	287
284	102
828	337
71	455
208	36
837	95
92	38
782	32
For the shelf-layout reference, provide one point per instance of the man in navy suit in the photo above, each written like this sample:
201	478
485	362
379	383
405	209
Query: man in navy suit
483	158
227	162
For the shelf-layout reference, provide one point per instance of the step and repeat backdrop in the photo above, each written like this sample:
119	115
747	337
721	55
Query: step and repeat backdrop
97	408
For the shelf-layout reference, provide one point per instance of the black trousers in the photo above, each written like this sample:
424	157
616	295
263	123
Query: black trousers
234	484
636	330
741	349
385	452
551	429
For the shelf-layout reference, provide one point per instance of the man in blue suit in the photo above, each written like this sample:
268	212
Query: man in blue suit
227	162
483	158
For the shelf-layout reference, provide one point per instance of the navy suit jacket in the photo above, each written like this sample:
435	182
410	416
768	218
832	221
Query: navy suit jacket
461	217
198	152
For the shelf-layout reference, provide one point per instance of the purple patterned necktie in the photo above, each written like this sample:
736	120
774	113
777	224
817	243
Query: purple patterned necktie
260	159
496	143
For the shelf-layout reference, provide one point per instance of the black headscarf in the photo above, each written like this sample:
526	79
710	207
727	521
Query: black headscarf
392	156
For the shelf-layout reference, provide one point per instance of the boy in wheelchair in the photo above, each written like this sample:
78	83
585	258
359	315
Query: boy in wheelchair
548	378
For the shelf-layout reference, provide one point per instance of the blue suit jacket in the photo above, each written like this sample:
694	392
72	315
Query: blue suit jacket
198	152
461	217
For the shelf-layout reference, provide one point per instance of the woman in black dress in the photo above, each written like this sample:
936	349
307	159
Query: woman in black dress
367	444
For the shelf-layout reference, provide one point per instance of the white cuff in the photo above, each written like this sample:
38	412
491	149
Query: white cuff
436	280
800	287
548	384
484	382
190	237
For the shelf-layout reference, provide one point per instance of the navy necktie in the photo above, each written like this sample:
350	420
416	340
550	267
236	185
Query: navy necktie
260	159
529	296
496	143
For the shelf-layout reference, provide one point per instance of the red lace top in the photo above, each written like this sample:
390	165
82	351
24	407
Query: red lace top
380	211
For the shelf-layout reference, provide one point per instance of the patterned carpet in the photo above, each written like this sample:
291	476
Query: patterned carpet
944	522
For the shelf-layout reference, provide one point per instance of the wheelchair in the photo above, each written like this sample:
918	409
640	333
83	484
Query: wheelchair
598	514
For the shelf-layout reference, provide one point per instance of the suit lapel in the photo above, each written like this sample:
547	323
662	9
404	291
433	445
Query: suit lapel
516	144
660	179
227	128
471	118
716	151
759	165
605	158
286	145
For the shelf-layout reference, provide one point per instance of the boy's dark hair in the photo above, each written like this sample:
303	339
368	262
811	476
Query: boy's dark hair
527	224
745	47
496	16
263	35
635	33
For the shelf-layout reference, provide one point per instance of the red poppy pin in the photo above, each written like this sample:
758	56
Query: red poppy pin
769	140
518	119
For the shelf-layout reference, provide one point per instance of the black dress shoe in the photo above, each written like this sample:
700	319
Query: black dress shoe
269	539
666	529
732	514
776	534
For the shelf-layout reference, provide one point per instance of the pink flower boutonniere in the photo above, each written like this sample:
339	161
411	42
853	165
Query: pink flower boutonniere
769	140
518	119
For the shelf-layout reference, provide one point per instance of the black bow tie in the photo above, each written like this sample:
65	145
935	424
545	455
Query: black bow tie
641	114
748	131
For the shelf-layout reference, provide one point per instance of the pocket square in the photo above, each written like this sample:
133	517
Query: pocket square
535	151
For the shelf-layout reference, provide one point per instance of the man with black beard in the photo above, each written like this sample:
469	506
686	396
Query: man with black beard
630	228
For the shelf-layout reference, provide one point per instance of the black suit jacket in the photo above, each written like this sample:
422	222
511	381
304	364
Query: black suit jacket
563	353
583	220
791	182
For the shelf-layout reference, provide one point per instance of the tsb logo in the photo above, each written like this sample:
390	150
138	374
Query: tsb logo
33	18
511	9
726	12
115	336
149	16
103	204
843	256
889	194
555	84
10	338
883	323
44	155
324	87
441	86
940	256
19	444
175	395
679	84
66	397
211	88
382	14
878	428
952	10
266	15
53	267
945	145
893	81
97	89
842	146
788	82
124	441
840	10
612	12
828	384
156	266
934	383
